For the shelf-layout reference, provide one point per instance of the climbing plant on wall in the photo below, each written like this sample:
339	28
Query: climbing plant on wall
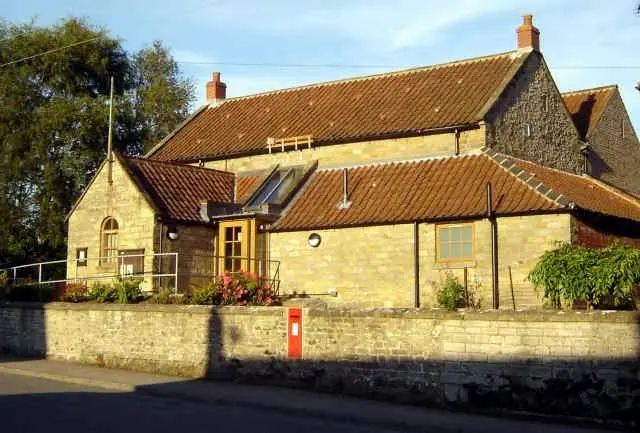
573	273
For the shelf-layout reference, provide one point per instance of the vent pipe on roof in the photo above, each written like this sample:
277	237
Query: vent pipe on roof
456	137
206	210
345	203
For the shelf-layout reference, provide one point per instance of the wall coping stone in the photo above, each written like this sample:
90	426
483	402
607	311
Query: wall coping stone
151	308
604	316
404	313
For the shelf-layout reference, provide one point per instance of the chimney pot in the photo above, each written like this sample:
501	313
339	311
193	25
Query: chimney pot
216	89
528	34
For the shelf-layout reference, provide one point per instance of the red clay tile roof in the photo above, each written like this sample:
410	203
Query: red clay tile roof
176	189
404	102
247	184
587	193
436	189
586	106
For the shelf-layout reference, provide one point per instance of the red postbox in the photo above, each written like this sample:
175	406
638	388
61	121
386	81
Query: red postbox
294	333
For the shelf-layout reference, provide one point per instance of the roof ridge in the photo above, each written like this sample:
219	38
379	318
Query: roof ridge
557	170
176	164
417	69
400	161
591	89
507	163
622	194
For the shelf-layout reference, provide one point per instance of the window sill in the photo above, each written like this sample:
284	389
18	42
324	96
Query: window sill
454	265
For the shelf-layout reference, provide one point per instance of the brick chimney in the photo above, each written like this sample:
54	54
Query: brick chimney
528	35
216	89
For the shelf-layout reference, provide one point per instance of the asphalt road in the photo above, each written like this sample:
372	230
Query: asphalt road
37	405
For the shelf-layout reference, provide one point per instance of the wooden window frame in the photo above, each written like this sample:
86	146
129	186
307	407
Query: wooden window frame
438	248
79	261
109	250
244	258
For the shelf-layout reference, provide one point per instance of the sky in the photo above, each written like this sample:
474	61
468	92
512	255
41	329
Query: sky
253	43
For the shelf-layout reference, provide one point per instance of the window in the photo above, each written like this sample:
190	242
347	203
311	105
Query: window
109	251
131	262
545	103
81	256
236	246
527	129
233	248
622	128
454	243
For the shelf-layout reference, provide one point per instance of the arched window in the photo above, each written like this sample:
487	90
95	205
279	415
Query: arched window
109	251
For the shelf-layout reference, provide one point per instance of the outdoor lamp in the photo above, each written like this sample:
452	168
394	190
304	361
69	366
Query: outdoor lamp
172	233
314	240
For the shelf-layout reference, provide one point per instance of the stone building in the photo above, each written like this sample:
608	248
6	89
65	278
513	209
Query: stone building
368	191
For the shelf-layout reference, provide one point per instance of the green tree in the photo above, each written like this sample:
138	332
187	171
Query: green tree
162	96
54	122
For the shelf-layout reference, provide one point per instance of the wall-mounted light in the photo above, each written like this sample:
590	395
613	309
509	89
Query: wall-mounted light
314	240
172	233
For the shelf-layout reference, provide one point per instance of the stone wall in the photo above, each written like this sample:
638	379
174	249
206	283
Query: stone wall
360	152
533	98
367	266
122	201
615	156
567	363
374	266
196	247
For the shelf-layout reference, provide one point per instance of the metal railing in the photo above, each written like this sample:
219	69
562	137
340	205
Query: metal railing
90	269
199	270
175	271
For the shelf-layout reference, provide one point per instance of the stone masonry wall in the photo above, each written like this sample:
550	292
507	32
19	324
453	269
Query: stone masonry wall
122	201
360	152
196	246
367	266
615	158
554	140
374	266
567	363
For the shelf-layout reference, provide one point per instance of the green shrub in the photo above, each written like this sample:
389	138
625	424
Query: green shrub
128	290
451	293
572	273
167	297
102	292
4	279
4	284
204	295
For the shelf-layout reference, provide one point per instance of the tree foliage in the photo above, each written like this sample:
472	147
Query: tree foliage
54	122
574	273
